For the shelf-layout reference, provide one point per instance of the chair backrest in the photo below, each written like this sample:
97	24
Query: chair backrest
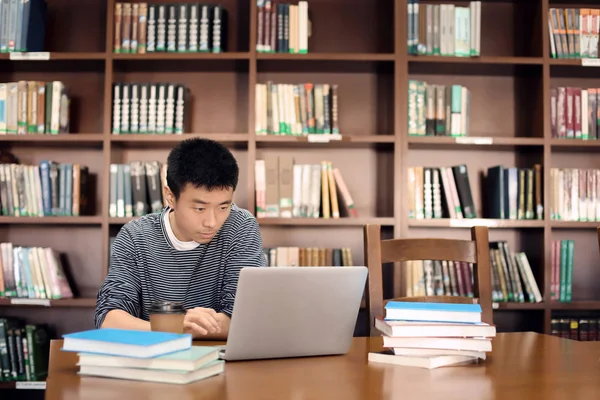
599	238
475	251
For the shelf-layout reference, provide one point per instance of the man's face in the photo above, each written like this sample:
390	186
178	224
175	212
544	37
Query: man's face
199	213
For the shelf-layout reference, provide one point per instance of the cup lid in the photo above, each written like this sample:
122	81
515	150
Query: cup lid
166	307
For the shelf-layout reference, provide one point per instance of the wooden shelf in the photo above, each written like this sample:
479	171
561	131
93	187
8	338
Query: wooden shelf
469	222
574	225
576	305
50	220
304	141
47	138
25	385
572	143
66	56
325	221
158	139
327	56
77	302
519	306
182	56
565	61
477	60
479	143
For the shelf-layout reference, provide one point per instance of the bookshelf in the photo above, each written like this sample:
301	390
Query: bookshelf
360	46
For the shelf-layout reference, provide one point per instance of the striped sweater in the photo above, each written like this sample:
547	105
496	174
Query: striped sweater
145	267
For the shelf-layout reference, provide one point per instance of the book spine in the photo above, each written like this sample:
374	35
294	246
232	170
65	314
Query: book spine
182	28
116	119
142	28
151	31
193	27
172	28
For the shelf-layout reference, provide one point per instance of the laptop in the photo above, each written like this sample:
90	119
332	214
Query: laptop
284	312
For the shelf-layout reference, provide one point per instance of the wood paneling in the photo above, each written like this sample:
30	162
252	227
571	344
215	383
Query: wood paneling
361	46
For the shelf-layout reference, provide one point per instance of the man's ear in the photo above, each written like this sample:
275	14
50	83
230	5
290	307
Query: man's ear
169	197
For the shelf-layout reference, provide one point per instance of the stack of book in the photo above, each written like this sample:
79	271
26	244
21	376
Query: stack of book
143	356
432	335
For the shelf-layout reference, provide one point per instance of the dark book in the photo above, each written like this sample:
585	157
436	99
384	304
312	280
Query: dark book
495	192
463	187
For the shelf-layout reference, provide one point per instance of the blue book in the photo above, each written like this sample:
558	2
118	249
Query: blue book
126	343
440	312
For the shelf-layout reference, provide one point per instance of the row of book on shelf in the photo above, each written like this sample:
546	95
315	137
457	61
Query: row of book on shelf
140	28
285	189
47	189
574	194
282	27
34	107
582	329
296	109
444	29
24	350
33	273
445	192
573	32
512	278
574	112
561	275
23	25
438	110
432	335
136	188
444	110
150	108
290	256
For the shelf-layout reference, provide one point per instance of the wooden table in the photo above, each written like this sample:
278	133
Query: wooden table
521	366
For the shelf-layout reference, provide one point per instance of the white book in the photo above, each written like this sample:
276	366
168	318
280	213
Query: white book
57	88
170	108
160	109
275	109
143	127
297	191
427	362
407	351
161	28
182	28
404	328
303	26
171	28
315	191
193	22
203	44
135	108
261	188
151	29
179	110
471	344
584	114
152	96
125	97
305	208
3	101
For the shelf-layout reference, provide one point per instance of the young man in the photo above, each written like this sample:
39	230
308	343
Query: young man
191	252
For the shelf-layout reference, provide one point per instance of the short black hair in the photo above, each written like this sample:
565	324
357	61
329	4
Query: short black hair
201	163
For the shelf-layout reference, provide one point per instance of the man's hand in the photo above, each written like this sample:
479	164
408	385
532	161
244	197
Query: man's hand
201	322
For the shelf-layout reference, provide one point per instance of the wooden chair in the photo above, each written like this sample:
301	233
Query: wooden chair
599	238
476	251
